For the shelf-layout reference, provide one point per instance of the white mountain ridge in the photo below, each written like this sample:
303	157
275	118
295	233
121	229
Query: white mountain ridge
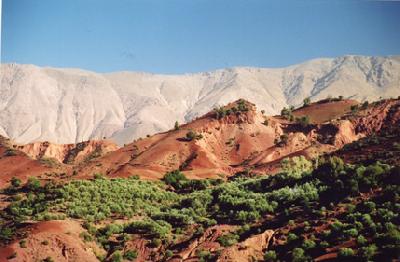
73	105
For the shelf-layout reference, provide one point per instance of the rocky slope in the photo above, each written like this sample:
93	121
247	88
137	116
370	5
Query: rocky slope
246	140
68	153
72	105
212	146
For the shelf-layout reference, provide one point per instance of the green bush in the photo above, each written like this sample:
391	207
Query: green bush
306	101
368	252
309	244
130	255
292	237
22	243
270	256
176	125
361	240
33	184
175	179
10	152
228	239
298	255
304	121
192	135
15	182
117	256
346	252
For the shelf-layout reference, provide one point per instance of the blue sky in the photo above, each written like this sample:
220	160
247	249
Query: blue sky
178	36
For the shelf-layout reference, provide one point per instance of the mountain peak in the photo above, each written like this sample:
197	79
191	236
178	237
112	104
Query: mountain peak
71	105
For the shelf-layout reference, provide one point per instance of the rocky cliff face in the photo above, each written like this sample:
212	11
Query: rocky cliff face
68	153
72	105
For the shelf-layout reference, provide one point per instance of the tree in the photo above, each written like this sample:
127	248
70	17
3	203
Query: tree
176	126
304	121
270	256
116	256
175	179
368	252
130	255
33	184
15	182
308	244
228	239
346	252
306	101
282	141
191	135
354	109
298	255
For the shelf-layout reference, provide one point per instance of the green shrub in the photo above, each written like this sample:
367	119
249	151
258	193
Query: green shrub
204	255
10	152
192	135
368	252
306	101
15	182
346	252
298	255
98	176
270	256
168	253
86	237
155	242
228	239
117	256
130	255
354	108
361	240
22	243
175	179
309	244
33	184
292	237
304	121
48	259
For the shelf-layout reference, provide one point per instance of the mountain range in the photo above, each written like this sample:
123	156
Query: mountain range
73	105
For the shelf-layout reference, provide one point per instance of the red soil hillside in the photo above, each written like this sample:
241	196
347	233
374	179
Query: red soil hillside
14	163
231	139
45	160
68	153
243	139
325	110
58	239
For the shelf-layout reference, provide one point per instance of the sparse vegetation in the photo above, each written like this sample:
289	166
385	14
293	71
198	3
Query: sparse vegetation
303	121
306	101
312	206
287	113
10	152
354	109
282	141
192	135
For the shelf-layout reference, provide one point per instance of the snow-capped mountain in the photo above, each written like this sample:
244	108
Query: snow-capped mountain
72	105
